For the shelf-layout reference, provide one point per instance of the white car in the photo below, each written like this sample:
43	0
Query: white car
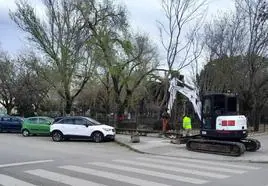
81	127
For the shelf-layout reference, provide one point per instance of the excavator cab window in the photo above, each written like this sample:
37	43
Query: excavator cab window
207	106
219	105
214	105
206	113
232	106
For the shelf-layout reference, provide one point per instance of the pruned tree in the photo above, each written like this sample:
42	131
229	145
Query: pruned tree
60	36
178	44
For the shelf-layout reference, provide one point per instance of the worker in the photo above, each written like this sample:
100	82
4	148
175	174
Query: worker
165	119
187	125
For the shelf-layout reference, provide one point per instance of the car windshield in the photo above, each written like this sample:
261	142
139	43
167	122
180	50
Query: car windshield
94	121
19	118
49	119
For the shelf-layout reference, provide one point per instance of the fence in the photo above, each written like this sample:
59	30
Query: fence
152	122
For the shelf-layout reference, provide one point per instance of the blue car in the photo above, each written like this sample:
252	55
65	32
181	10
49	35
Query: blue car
10	124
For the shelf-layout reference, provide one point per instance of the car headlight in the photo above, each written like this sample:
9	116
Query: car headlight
107	129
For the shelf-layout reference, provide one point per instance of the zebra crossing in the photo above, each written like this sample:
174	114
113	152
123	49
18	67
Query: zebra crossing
143	171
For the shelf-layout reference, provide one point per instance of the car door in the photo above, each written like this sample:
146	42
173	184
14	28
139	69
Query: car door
82	127
67	126
7	124
16	123
1	124
32	125
43	125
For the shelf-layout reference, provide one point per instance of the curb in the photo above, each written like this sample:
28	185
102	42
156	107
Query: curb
258	134
156	154
129	147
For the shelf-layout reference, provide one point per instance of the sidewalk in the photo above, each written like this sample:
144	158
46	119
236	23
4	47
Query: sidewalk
152	144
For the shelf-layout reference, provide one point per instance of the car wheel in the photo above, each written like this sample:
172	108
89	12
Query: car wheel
97	137
25	133
57	136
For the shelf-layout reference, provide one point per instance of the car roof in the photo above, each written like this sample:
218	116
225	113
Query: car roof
8	116
17	117
73	116
46	117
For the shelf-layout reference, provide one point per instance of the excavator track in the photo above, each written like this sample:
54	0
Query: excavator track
226	148
251	144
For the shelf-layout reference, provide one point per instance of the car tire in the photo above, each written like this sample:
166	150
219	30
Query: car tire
97	137
25	133
57	136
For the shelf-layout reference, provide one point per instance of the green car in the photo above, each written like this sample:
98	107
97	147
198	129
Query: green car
36	125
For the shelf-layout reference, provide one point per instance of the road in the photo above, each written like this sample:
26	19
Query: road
40	161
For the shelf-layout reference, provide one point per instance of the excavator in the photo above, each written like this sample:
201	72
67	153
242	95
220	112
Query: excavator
222	129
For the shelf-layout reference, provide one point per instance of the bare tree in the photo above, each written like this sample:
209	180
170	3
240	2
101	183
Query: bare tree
255	13
224	36
237	45
224	41
180	15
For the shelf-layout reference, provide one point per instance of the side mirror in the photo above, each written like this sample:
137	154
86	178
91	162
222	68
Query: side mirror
86	125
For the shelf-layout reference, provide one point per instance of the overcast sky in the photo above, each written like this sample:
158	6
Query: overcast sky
142	15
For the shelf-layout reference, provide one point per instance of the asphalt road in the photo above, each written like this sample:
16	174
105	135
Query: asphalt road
40	161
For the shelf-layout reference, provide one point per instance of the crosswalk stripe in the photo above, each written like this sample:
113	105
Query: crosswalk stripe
24	163
176	169
151	173
210	168
210	163
112	176
10	181
61	178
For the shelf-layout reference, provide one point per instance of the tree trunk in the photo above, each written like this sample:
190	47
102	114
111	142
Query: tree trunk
166	92
108	91
257	118
68	106
256	122
122	106
120	113
9	109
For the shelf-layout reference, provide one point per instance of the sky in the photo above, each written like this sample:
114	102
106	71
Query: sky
142	15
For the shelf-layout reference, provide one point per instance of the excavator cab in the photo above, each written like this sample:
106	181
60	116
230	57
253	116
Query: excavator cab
220	117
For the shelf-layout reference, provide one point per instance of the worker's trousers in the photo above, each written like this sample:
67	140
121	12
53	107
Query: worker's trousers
164	125
187	132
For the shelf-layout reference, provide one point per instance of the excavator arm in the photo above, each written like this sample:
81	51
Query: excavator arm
191	93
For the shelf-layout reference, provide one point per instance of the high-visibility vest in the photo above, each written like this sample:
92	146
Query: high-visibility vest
187	124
